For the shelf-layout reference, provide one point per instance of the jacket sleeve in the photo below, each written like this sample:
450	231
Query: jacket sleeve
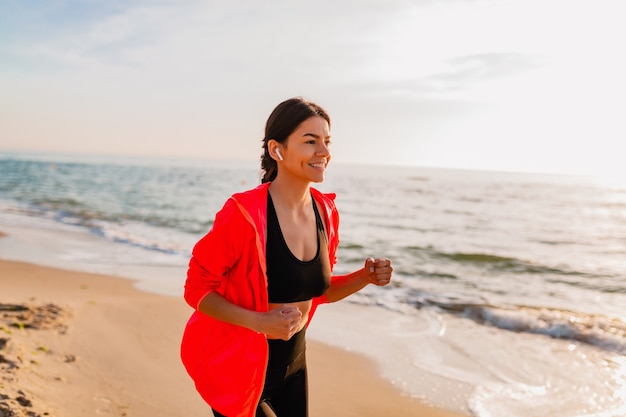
335	237
213	256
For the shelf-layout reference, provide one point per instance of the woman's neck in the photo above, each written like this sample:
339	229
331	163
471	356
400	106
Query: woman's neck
290	194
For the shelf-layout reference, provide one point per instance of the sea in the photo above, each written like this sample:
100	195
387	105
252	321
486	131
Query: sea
509	290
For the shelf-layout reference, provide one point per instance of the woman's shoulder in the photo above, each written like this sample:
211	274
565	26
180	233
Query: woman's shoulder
328	199
246	206
252	197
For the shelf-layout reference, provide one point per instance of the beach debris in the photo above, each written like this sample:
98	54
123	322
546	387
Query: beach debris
40	317
14	401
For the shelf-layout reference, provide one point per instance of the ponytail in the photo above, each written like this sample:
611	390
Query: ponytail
268	165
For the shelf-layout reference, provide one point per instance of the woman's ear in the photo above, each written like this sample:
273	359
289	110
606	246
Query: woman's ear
274	149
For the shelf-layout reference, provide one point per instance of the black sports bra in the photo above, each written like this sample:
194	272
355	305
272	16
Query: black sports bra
288	278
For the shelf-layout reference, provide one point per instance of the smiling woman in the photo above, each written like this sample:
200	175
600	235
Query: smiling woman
256	279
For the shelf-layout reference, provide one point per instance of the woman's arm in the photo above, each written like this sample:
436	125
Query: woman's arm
212	260
280	323
375	271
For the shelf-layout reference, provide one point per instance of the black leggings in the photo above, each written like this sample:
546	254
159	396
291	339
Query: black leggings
285	390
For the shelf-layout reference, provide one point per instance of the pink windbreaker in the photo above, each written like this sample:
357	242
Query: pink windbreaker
228	362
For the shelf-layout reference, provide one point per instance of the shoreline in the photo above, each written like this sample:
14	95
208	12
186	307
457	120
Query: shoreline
96	339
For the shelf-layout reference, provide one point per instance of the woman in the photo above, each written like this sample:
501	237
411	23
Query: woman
257	277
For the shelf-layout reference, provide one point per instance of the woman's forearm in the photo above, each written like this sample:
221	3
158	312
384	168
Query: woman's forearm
216	306
345	285
279	323
375	271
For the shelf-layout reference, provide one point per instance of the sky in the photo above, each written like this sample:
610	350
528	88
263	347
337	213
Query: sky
513	85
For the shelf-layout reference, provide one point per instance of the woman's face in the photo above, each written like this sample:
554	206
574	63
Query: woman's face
306	152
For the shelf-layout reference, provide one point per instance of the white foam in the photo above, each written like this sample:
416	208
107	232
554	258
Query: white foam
45	242
458	364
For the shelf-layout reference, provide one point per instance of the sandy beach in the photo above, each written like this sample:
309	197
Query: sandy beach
76	344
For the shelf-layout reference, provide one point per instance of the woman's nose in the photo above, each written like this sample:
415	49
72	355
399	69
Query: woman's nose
323	150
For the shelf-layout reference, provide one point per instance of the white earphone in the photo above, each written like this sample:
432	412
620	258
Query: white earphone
279	155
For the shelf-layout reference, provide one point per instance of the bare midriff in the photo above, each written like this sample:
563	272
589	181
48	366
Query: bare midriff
303	306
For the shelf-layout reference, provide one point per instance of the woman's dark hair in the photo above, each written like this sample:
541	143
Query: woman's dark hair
286	118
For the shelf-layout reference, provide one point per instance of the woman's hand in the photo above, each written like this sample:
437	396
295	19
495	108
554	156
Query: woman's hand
280	323
378	270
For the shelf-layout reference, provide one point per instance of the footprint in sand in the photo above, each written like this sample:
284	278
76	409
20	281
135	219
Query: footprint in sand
106	407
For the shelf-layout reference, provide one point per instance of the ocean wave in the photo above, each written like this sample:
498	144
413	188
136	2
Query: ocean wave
611	286
160	236
596	279
503	263
601	331
608	333
139	235
72	211
491	262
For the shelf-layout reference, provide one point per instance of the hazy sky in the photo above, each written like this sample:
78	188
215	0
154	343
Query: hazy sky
530	85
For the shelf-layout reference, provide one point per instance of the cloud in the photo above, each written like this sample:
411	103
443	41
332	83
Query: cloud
96	36
277	42
466	71
463	77
473	78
